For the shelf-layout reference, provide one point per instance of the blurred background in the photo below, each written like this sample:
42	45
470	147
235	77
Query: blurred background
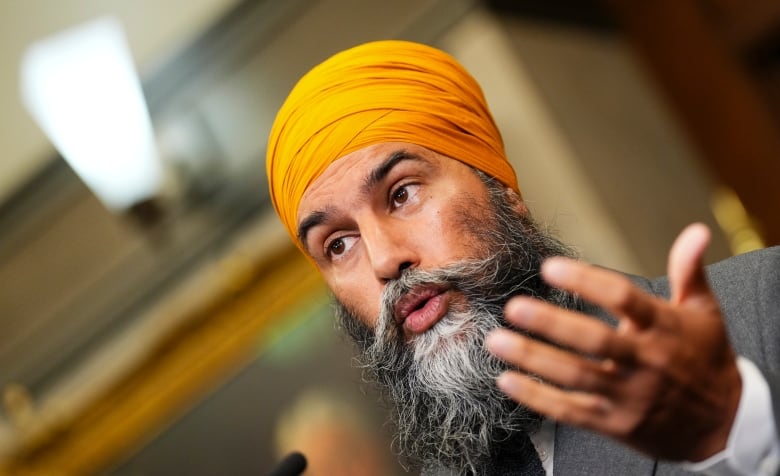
179	331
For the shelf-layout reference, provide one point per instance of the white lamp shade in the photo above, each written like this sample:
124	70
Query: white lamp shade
82	89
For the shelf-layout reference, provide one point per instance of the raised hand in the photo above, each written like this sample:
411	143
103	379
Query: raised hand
664	381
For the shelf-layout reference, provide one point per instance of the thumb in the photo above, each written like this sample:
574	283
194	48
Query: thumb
686	272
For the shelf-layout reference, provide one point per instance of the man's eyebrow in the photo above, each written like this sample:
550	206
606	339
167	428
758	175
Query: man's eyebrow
314	219
382	170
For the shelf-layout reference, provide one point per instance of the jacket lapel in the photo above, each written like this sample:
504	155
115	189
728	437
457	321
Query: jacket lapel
580	452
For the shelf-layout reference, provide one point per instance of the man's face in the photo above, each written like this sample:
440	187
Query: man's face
422	253
386	208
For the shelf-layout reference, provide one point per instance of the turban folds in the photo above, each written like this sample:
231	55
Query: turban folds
383	91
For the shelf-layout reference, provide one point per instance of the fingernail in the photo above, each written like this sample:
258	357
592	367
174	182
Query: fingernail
519	311
554	268
507	384
498	341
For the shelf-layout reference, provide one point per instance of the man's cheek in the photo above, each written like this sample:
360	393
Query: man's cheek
367	317
363	300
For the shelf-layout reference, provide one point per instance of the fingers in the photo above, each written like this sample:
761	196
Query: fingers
569	329
552	364
575	408
686	274
608	289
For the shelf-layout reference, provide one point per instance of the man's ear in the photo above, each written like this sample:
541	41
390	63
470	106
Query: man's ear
516	201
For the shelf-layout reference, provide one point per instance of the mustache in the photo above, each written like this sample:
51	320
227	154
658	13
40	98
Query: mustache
483	281
481	286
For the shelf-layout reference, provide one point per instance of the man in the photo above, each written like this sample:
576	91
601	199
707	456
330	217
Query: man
389	173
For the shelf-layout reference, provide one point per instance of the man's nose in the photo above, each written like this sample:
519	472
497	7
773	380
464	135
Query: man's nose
390	250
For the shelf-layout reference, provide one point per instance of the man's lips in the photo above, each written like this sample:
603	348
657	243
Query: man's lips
421	308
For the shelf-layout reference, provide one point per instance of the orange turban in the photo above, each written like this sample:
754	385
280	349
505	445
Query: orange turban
383	91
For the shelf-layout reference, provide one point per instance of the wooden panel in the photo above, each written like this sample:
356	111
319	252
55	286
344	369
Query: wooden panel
745	24
721	106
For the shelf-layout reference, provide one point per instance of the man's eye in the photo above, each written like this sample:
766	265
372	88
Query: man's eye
403	195
339	247
400	196
336	247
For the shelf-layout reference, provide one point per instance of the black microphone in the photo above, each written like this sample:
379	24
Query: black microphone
292	465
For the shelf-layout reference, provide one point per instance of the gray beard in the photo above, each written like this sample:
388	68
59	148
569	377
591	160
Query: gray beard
446	407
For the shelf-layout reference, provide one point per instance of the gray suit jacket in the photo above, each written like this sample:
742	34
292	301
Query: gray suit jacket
748	288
